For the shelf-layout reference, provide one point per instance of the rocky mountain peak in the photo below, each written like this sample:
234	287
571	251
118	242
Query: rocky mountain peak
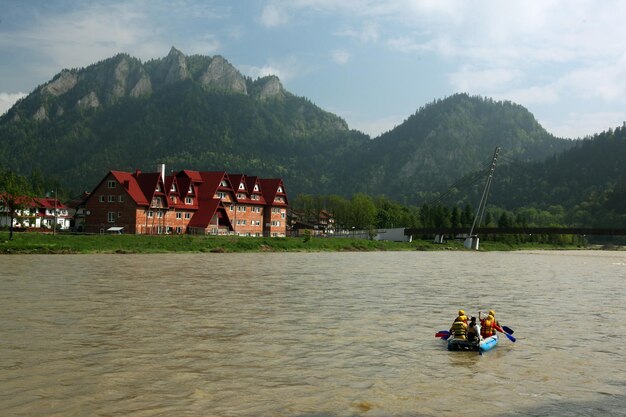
222	75
62	83
173	67
272	88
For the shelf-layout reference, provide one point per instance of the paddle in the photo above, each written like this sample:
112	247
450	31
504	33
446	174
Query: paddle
443	334
508	330
510	337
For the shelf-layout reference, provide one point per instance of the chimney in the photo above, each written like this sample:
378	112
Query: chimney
161	169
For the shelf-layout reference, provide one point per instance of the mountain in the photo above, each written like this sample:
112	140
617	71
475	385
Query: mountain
450	138
591	172
191	112
200	112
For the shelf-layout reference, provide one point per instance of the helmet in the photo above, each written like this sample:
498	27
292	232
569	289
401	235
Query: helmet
461	313
492	313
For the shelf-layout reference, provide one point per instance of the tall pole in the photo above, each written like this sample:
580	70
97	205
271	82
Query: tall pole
54	225
483	200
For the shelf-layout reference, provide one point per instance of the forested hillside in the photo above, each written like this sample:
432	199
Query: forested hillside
199	112
448	139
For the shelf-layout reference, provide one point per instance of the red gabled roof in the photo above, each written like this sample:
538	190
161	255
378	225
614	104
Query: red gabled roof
192	175
130	184
269	187
250	183
185	179
48	203
212	183
148	183
202	217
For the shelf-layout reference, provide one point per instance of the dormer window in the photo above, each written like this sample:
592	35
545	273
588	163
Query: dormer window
256	187
241	186
280	189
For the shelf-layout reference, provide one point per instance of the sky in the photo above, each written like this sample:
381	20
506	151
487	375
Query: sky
373	63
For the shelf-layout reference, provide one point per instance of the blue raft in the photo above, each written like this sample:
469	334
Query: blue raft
461	344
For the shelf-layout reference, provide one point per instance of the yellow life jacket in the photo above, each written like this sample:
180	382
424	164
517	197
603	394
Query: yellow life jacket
486	329
459	330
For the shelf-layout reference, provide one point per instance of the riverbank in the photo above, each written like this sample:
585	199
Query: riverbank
25	243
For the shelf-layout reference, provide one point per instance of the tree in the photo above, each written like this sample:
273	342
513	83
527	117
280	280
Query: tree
363	211
15	195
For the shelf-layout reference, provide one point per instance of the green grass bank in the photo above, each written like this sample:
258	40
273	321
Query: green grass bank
37	243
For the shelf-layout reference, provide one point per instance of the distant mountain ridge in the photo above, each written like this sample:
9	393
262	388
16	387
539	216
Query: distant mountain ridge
107	82
200	112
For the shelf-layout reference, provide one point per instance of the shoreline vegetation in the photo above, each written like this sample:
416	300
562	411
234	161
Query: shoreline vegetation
42	243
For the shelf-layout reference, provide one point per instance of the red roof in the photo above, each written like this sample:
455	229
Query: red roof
130	184
202	217
48	203
212	183
148	183
269	187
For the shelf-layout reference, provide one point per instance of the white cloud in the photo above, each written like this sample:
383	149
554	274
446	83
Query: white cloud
376	126
478	81
578	125
7	100
205	45
274	15
369	32
286	69
340	57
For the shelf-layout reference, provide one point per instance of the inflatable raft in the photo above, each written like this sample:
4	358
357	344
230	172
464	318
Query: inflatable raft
461	344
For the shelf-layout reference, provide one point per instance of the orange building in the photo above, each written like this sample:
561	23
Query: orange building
186	202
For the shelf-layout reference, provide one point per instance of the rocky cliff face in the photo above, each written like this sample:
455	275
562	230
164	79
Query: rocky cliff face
121	76
222	75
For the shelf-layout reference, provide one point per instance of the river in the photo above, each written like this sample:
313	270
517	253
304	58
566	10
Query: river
310	334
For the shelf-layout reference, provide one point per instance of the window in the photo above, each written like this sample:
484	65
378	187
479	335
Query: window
119	214
232	208
190	191
282	215
158	187
179	215
241	186
256	187
187	216
150	214
179	229
188	200
101	199
221	194
160	214
280	189
120	198
223	183
111	199
173	187
111	216
174	199
111	184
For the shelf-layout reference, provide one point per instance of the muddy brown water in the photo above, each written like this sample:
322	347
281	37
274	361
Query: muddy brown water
310	334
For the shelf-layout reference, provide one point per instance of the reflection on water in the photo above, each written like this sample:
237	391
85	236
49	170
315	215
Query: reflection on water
309	335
